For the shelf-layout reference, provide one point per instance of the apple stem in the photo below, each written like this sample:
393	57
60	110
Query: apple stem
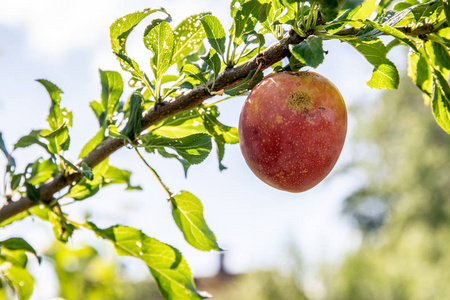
254	75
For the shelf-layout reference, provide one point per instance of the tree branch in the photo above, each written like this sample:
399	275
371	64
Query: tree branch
187	100
155	114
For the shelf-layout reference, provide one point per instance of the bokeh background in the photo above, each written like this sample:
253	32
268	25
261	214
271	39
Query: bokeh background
377	228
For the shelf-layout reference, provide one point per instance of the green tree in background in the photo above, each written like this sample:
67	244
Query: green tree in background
403	207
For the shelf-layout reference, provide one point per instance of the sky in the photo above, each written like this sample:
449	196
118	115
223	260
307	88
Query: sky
67	42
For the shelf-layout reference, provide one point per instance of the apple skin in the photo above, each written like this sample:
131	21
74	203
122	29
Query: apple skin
292	129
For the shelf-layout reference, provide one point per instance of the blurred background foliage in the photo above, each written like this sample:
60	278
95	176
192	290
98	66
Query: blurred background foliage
401	209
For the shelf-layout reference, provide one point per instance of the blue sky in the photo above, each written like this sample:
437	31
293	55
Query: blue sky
67	42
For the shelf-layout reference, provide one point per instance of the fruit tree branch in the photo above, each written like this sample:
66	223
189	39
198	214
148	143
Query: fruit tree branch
155	114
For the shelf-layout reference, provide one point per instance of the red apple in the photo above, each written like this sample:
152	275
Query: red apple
292	129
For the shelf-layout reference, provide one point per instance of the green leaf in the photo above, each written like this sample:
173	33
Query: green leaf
194	72
187	211
131	66
446	5
329	9
11	162
60	142
17	217
103	175
41	171
340	22
133	127
419	72
122	27
245	18
222	134
167	265
16	257
188	37
33	193
160	41
186	165
18	278
83	189
86	171
180	125
193	148
99	112
112	89
31	139
93	143
70	164
440	102
270	14
18	244
114	132
113	175
309	52
15	181
220	150
54	91
58	120
385	74
218	130
247	84
56	133
394	32
366	9
215	33
441	56
213	61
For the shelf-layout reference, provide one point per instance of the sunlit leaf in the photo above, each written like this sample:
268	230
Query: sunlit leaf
245	18
180	125
167	265
188	37
213	61
440	102
19	279
31	139
112	88
419	72
93	143
122	27
16	257
54	91
16	243
193	148
393	32
385	74
215	33
159	39
41	171
187	211
194	72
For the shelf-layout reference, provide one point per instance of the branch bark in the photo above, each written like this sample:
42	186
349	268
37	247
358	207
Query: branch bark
187	100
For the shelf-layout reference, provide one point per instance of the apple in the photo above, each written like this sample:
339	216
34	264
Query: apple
292	128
